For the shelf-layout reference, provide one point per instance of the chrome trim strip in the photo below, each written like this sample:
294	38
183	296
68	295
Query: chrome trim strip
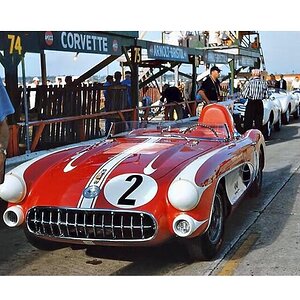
142	225
94	225
58	221
42	222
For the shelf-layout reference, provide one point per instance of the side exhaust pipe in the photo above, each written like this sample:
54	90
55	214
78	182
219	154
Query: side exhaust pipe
13	216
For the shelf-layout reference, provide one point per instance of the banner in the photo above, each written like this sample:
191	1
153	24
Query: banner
19	42
216	58
83	42
167	52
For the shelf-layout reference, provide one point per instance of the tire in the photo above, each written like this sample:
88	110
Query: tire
277	125
256	186
267	130
296	113
42	244
206	246
285	118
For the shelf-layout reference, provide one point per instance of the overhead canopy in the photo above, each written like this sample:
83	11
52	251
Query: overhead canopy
20	42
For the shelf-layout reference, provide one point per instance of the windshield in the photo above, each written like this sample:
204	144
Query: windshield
189	130
276	91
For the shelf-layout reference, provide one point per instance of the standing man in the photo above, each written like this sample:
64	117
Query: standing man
210	89
272	83
117	78
281	84
32	96
172	95
127	82
296	83
6	109
255	90
107	101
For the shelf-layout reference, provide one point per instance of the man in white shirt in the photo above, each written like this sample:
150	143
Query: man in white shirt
32	97
296	83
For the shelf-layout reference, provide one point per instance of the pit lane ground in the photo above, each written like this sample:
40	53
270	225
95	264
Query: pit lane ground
262	235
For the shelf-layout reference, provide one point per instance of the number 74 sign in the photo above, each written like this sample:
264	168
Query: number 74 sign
15	44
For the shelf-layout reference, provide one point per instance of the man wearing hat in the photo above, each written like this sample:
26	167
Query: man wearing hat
255	90
210	89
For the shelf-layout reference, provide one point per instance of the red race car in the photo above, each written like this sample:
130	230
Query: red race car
142	187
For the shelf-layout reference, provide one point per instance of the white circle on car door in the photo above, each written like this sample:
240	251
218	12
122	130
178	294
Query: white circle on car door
130	190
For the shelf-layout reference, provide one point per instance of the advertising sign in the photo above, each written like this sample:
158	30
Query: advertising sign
216	58
167	52
84	42
72	41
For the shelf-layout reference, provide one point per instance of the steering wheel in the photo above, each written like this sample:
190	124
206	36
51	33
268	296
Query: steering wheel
201	125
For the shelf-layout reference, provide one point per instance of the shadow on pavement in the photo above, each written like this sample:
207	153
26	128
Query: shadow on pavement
145	261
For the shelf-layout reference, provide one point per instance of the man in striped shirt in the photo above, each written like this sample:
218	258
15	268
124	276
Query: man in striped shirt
255	90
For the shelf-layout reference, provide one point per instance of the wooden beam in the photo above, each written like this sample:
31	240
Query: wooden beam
158	74
95	69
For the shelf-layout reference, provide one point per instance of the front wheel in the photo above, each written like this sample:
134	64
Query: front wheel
277	125
296	113
267	130
208	244
286	117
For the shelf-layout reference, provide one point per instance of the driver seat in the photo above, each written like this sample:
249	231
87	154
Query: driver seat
217	114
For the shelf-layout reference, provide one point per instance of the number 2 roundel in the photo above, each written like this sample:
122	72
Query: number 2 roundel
130	190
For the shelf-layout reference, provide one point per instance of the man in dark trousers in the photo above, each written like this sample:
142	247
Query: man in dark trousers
210	89
281	84
255	90
173	95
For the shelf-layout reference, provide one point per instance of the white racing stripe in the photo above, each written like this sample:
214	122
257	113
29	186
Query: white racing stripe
100	176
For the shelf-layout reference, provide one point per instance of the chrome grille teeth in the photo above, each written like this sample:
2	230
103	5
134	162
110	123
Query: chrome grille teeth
92	225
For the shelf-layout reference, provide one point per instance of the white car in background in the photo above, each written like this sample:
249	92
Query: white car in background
296	95
288	102
271	118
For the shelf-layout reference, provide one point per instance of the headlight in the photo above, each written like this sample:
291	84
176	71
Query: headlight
13	189
183	195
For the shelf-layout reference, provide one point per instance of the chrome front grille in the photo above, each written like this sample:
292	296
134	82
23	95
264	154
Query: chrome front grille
99	225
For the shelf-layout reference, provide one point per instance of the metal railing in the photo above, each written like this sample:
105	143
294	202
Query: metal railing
81	127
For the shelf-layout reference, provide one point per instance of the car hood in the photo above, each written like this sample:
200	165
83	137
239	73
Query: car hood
281	100
66	178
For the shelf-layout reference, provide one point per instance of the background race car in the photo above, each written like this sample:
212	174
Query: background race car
271	118
287	101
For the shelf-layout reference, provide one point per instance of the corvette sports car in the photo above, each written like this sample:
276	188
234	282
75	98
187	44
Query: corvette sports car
271	117
288	103
295	94
140	188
